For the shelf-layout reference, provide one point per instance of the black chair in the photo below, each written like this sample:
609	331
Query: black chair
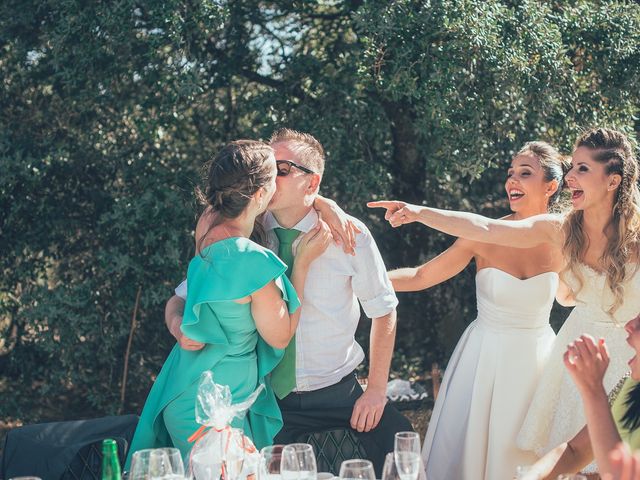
65	450
332	447
87	463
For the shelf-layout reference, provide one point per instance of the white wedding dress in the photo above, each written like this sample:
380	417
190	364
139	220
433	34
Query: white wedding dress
490	380
556	412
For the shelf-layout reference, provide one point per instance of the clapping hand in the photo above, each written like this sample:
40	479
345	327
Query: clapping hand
397	213
587	362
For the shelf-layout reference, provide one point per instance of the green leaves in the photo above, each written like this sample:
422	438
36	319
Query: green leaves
110	110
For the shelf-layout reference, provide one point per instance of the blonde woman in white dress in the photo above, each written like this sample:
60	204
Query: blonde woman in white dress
599	242
494	369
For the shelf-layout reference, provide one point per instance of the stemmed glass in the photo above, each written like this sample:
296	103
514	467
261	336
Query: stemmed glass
156	463
270	462
407	455
298	462
357	470
390	471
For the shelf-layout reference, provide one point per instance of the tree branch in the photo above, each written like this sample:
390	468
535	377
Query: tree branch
128	351
262	79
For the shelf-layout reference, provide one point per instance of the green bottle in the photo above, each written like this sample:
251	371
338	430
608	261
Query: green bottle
110	463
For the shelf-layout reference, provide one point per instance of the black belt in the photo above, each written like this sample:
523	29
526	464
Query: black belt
344	379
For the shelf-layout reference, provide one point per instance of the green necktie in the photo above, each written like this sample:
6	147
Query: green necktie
283	377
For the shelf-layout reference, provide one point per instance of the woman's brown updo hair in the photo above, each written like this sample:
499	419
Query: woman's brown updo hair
232	177
554	166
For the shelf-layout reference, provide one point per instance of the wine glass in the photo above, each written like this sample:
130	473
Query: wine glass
175	461
298	462
357	470
389	470
204	465
156	463
270	462
407	455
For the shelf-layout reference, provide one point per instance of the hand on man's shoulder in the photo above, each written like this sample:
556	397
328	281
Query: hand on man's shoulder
363	238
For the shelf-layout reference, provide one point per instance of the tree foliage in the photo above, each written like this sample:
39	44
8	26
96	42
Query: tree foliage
109	110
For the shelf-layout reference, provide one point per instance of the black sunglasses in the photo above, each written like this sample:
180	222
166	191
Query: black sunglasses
284	167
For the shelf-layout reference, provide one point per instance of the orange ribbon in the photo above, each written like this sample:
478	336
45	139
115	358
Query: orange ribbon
197	434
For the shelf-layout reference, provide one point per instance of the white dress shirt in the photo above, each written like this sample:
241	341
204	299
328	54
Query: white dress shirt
326	349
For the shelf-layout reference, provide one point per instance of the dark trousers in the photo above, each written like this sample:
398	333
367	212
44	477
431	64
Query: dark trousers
331	408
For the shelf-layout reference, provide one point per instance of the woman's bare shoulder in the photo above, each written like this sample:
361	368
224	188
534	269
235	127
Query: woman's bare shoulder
204	222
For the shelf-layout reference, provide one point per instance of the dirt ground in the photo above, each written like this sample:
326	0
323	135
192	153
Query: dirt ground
419	418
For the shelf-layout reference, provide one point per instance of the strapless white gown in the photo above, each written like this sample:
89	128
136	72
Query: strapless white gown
556	413
490	380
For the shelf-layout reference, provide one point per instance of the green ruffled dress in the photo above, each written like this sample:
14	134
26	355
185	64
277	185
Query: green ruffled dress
225	271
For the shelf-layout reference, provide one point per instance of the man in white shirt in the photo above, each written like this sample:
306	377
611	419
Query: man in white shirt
315	383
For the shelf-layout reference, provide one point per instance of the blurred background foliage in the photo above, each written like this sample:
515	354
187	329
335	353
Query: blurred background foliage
109	110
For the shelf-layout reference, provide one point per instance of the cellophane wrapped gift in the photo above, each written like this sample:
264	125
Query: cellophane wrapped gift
220	451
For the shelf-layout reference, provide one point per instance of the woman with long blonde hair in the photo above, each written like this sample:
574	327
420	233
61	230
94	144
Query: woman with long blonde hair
599	241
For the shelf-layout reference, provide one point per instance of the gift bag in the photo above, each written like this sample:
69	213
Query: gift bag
220	451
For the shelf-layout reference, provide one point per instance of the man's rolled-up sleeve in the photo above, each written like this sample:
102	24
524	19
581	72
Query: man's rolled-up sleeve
181	290
370	282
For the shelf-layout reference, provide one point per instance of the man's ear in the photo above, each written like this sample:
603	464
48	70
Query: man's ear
314	183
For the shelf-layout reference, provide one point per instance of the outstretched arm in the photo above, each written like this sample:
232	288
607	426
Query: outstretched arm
446	265
525	233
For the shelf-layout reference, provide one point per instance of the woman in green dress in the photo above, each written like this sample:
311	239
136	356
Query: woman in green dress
240	304
612	418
